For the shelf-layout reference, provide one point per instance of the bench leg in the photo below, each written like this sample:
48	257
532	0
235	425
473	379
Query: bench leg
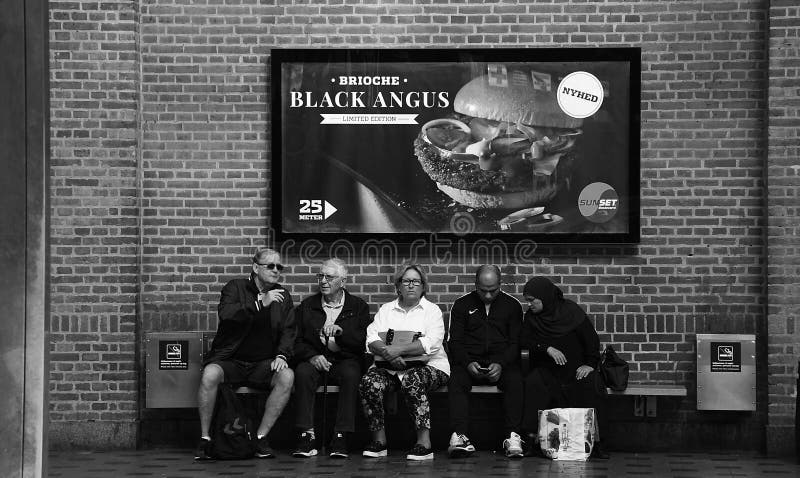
651	406
638	406
645	406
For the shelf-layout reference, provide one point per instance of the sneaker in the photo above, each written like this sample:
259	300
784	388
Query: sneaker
338	446
203	451
460	446
305	446
263	449
513	446
375	449
420	453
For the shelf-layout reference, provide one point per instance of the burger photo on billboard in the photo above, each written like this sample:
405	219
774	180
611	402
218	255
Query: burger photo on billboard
506	146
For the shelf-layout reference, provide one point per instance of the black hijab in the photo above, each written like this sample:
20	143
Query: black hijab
559	316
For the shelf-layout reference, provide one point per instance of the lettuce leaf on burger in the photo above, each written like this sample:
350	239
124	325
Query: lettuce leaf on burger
504	147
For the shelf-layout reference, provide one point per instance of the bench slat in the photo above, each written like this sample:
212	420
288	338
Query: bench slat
653	390
642	390
335	389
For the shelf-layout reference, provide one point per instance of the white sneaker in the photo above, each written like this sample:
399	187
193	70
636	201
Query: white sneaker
513	446
460	446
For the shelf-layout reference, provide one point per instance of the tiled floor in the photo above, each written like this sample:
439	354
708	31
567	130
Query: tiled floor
179	464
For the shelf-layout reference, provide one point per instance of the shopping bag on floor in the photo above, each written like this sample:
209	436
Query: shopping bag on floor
567	433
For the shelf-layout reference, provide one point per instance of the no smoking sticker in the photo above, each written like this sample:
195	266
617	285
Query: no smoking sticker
580	94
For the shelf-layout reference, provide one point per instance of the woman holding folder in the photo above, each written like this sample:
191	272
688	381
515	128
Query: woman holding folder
406	339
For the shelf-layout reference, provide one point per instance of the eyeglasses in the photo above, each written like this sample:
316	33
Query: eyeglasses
271	266
327	277
411	282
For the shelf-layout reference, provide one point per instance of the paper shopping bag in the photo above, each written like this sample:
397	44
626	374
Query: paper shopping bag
567	433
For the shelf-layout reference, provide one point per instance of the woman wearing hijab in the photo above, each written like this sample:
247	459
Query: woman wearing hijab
565	353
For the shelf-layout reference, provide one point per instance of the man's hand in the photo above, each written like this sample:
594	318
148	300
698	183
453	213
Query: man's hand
398	363
474	369
557	356
332	330
279	364
320	363
271	296
495	369
583	371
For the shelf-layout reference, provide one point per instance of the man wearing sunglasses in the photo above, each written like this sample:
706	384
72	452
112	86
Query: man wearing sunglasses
331	332
253	346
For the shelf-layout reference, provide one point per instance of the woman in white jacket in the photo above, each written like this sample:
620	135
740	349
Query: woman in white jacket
413	361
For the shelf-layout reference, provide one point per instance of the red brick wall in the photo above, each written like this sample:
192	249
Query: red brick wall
783	231
152	214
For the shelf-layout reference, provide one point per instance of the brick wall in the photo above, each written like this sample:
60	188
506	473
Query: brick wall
783	225
94	232
204	163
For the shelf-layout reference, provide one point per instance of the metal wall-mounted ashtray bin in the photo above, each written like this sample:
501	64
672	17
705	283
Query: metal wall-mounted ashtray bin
726	372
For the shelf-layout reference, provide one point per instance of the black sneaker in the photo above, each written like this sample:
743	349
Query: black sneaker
338	446
263	449
420	453
203	451
305	446
375	449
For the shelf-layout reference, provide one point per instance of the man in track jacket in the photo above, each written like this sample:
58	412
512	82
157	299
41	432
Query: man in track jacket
484	349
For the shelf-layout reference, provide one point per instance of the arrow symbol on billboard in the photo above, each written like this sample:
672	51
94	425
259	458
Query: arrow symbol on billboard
329	209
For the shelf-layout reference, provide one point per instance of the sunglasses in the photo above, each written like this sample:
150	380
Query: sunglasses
326	277
271	266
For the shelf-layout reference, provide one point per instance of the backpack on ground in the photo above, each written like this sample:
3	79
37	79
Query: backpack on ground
231	428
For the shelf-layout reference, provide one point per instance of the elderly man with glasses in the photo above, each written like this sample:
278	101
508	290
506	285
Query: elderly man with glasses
253	346
331	330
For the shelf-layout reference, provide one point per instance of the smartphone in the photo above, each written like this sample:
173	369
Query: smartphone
483	369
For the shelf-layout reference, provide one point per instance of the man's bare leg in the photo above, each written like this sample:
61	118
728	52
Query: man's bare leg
278	398
207	396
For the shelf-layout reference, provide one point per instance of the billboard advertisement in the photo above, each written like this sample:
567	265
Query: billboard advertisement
538	144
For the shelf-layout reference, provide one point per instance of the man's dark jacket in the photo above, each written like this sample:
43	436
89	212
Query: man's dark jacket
353	319
476	338
237	310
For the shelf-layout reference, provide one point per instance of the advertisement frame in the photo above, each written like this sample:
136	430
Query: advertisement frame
631	55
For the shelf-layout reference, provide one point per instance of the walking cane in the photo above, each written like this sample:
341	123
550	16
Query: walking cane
325	397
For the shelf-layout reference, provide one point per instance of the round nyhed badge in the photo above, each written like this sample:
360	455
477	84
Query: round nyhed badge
598	202
580	94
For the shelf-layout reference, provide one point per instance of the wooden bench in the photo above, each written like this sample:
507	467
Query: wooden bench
644	402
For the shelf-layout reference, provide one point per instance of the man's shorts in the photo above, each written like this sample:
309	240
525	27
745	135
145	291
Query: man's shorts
251	374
